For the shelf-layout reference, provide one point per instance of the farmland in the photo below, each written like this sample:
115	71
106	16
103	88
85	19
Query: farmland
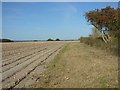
57	64
22	60
59	45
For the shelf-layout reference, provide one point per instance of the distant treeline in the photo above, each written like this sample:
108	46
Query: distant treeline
9	40
6	40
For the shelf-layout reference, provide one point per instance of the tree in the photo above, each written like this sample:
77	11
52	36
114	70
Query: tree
6	40
50	39
105	20
95	33
57	39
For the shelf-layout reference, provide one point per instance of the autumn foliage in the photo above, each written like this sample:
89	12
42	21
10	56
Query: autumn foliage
106	20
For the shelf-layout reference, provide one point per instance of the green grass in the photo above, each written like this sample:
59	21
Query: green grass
103	81
57	58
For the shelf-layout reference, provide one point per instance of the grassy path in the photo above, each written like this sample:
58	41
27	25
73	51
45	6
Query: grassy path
80	66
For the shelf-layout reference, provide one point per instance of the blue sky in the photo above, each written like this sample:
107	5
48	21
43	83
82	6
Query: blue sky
43	20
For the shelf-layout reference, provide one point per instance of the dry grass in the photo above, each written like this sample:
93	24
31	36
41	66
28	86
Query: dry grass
81	66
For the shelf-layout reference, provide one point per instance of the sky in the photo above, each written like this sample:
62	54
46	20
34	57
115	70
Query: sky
43	20
60	0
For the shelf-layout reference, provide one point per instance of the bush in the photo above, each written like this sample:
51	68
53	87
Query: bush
111	47
91	41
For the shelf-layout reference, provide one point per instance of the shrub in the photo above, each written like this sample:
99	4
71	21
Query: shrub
111	47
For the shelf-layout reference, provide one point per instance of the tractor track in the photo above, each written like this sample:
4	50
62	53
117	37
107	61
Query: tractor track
18	69
18	81
31	55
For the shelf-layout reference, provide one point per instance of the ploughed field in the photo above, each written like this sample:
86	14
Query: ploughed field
22	61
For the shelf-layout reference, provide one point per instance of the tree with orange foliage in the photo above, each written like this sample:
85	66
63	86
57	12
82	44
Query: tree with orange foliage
105	20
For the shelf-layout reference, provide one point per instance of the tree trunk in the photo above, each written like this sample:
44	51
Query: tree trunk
104	39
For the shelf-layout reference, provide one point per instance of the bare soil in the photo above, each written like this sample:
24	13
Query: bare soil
23	61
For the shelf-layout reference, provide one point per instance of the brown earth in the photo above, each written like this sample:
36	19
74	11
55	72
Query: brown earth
23	61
